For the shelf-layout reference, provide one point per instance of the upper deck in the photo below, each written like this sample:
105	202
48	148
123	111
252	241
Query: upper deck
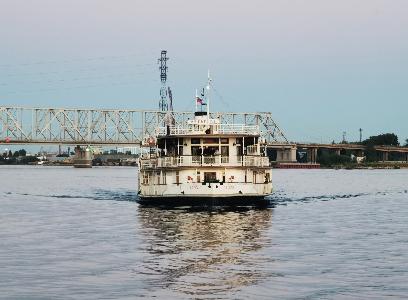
220	129
202	125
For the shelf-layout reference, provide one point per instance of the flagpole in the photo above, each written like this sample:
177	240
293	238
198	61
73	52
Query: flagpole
196	99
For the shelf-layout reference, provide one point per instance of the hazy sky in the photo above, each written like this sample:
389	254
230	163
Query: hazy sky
321	67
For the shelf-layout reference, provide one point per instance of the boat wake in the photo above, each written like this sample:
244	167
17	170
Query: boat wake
99	194
280	199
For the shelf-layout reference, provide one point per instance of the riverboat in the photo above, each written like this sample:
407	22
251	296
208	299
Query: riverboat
203	161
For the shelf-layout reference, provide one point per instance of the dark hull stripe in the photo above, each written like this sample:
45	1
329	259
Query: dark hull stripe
205	201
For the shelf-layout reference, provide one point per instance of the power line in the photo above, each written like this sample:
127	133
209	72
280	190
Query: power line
72	60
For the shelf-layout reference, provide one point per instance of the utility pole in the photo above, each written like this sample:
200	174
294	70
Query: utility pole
162	61
344	137
361	135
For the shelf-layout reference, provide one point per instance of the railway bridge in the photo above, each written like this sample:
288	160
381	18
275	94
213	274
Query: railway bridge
23	125
126	127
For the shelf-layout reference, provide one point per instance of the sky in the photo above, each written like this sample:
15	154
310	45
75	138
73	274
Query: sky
321	67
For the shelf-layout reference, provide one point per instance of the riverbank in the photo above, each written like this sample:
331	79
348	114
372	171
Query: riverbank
368	165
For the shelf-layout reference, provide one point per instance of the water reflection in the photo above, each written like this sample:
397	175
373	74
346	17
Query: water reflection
204	252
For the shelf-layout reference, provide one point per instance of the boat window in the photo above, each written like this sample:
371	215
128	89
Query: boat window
195	150
195	141
249	141
210	141
210	177
224	150
210	151
145	178
198	177
224	141
177	177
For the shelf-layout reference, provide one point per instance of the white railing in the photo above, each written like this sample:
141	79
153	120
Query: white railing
191	161
252	150
216	129
237	129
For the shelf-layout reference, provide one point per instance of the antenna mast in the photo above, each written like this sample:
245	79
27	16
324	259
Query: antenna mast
361	134
163	105
208	94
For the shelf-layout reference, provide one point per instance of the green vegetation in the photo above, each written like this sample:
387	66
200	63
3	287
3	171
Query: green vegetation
18	157
373	158
388	139
20	152
23	160
327	159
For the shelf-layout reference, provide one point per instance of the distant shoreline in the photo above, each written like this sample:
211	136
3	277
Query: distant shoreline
351	166
371	165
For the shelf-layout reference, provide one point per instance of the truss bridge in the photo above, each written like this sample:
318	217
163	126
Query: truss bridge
24	125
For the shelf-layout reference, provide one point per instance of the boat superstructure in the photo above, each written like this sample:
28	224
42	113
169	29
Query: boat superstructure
204	160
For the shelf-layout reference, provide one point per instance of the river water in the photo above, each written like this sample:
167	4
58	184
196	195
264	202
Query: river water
70	233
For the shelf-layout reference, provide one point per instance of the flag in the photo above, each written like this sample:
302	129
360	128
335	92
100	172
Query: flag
199	100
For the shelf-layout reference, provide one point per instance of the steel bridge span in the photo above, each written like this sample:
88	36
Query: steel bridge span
70	126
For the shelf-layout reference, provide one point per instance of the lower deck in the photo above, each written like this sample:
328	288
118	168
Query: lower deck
206	182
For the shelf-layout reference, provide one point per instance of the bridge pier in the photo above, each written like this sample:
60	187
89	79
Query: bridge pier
312	155
83	157
385	156
286	154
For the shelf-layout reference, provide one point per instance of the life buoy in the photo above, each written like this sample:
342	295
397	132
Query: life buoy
150	141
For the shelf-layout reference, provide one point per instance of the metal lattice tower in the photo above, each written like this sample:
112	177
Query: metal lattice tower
163	105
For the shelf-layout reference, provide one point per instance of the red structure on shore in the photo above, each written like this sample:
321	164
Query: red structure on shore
297	166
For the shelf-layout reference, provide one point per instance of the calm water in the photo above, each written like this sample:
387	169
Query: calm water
70	233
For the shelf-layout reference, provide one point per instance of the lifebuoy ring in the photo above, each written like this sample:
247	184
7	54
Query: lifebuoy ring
150	141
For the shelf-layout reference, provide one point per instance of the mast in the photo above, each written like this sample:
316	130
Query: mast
208	95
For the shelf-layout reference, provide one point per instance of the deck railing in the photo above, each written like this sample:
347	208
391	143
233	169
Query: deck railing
190	129
191	161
